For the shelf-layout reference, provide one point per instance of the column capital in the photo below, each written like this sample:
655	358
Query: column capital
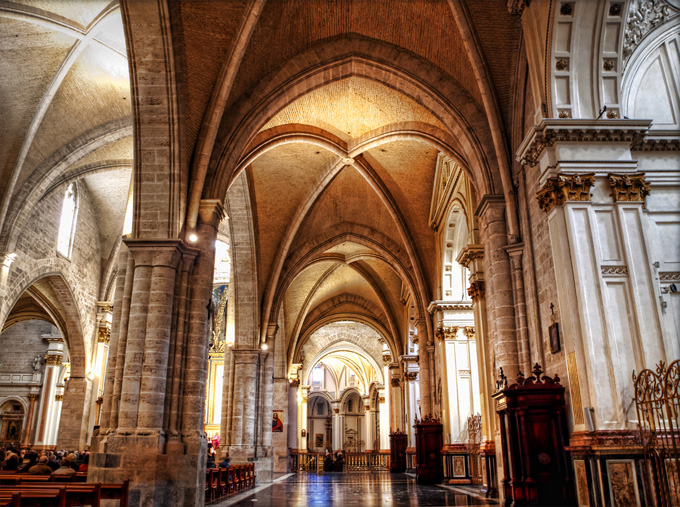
446	332
271	331
565	187
628	187
211	211
491	206
477	290
470	253
159	252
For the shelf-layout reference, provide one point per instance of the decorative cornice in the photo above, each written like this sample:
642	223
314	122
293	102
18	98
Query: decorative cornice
409	359
105	306
470	253
476	290
658	141
565	187
628	187
446	332
551	131
436	306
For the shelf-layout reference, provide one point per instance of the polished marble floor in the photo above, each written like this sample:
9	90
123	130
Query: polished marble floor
354	490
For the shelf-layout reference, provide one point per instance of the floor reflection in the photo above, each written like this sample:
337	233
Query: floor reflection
355	490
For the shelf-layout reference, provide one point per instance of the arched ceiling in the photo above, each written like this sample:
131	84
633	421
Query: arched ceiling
65	86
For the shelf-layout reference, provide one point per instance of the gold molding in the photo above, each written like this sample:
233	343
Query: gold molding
104	335
565	187
470	332
628	187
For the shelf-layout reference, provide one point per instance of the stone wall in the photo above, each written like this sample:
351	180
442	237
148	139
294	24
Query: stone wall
21	343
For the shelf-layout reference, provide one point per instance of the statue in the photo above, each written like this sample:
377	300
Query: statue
37	362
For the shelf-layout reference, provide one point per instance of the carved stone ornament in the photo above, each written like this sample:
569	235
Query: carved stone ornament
410	376
386	357
53	360
446	332
476	290
395	382
628	187
643	17
565	187
59	397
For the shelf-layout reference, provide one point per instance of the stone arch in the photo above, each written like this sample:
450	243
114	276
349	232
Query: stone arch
54	169
69	314
357	56
651	65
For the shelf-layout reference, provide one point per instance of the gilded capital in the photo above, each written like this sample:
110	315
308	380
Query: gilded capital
565	187
628	187
446	332
470	332
476	290
104	335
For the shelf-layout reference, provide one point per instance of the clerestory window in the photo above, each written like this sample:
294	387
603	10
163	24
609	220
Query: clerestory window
67	224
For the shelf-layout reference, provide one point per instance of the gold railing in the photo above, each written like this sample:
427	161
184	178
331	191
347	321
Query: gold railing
354	462
474	427
657	400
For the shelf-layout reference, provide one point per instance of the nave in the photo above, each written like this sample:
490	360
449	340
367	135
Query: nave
354	490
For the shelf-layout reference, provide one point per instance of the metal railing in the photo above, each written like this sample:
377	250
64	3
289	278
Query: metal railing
354	462
657	400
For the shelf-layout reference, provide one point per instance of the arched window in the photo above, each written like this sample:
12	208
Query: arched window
67	224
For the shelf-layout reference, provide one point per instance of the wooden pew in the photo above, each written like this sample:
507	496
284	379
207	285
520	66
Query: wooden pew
10	499
116	491
76	494
41	497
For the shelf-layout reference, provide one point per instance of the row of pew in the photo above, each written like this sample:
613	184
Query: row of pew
50	490
223	482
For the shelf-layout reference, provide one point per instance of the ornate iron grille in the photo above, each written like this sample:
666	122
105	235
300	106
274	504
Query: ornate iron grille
657	400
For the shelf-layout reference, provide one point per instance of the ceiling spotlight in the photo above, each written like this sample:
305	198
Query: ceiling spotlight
265	346
193	238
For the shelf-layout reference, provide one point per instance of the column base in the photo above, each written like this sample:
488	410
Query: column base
264	462
159	475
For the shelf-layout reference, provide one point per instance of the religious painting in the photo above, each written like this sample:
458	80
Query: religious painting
554	332
622	483
218	317
318	440
459	466
582	490
277	421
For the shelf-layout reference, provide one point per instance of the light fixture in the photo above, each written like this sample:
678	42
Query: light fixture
193	238
265	346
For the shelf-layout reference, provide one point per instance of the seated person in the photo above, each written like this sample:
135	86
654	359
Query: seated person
41	468
11	463
85	463
65	468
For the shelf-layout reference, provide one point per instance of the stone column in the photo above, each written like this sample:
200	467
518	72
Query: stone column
500	301
302	420
28	433
337	440
384	414
293	423
368	427
48	405
523	343
74	413
424	363
396	405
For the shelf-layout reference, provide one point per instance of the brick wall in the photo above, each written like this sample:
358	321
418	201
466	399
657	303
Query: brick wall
21	343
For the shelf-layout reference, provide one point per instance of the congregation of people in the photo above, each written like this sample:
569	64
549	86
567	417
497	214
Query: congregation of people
43	462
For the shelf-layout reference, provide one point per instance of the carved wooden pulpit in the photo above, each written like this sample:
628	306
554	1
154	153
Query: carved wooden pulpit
533	434
398	444
429	442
